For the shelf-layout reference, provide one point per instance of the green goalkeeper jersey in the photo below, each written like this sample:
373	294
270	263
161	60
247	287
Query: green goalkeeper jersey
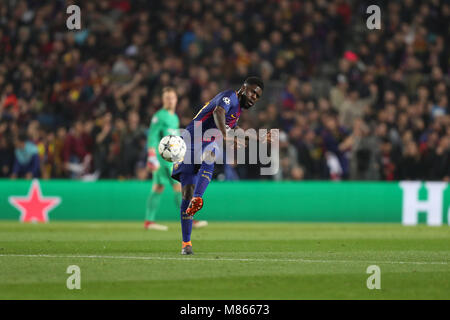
163	124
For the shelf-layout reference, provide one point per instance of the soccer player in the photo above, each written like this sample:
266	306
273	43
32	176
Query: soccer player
221	112
164	122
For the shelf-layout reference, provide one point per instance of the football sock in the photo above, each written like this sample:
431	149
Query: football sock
152	205
186	221
204	176
186	244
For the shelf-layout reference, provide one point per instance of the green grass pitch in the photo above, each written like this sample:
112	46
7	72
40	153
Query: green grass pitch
232	261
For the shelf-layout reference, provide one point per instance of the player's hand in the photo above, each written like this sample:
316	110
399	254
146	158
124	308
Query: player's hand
152	161
235	141
270	136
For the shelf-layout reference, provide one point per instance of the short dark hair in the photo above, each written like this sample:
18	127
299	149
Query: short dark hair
255	80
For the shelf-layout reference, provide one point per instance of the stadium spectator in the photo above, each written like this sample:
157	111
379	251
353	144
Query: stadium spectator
104	155
26	164
323	68
133	140
311	155
333	136
77	151
364	155
6	151
287	157
411	166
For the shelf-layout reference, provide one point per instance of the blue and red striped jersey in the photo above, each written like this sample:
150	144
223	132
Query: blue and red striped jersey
227	100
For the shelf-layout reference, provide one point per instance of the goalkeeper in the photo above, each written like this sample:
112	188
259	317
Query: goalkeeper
164	122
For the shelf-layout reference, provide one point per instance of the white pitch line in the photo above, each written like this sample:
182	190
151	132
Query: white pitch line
221	259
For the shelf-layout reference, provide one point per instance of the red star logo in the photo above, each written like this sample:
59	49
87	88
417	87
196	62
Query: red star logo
34	207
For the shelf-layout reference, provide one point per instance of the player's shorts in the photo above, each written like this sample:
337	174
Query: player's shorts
162	176
208	152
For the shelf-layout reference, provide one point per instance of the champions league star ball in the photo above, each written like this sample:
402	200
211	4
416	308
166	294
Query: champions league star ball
172	148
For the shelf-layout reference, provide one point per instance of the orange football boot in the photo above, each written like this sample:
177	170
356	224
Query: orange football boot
195	205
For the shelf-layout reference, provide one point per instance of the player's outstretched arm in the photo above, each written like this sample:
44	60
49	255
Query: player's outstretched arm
268	137
219	119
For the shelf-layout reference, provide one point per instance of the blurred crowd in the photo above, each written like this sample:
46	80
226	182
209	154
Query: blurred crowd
78	104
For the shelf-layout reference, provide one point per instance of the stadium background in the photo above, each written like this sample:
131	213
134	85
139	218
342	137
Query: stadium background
360	111
351	103
375	100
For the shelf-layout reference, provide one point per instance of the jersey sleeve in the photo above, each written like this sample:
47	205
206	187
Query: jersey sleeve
154	132
224	102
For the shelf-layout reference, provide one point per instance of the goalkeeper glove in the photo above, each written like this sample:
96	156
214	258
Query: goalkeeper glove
152	160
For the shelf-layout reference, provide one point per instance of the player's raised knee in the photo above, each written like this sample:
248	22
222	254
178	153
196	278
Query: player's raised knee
188	191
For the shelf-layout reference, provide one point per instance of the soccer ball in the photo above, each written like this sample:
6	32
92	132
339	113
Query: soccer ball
172	148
